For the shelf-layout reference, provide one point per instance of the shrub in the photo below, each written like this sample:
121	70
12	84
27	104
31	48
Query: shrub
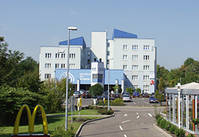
190	135
117	102
60	132
163	123
172	129
157	116
179	132
105	111
159	120
167	125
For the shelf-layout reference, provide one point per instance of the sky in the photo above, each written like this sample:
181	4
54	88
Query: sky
173	24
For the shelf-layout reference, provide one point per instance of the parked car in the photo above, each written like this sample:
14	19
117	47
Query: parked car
76	94
136	94
126	97
86	94
153	100
105	95
145	95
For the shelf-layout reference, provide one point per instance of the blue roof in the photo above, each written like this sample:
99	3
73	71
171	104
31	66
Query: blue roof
75	41
122	34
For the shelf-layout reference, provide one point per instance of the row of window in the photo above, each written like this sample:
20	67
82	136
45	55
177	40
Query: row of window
135	67
145	87
135	77
135	57
48	65
60	55
135	47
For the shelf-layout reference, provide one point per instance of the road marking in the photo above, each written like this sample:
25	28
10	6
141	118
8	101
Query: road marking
125	115
138	117
125	135
137	113
125	121
121	128
150	114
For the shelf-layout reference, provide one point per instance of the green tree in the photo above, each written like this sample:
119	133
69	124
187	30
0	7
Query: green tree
12	99
138	90
129	90
54	93
96	90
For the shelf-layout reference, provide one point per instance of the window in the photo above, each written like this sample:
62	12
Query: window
124	66
107	61
145	77
134	67
47	55
108	53
56	65
72	55
63	55
62	65
46	76
146	57
134	57
72	65
124	47
146	88
134	77
146	67
134	47
146	47
124	56
47	65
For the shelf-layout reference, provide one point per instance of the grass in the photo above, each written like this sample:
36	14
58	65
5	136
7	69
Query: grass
53	122
82	112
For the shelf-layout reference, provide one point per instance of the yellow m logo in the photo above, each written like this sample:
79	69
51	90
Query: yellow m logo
31	119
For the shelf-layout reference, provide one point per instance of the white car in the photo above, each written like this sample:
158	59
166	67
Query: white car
126	98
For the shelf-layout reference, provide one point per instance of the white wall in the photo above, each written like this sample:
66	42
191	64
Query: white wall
117	61
99	45
75	61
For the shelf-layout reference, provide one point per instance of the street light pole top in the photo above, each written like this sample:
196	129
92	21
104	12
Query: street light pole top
72	28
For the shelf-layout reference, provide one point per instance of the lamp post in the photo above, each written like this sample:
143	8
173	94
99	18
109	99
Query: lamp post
67	76
108	84
108	88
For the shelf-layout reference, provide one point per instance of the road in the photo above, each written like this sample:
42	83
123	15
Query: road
129	121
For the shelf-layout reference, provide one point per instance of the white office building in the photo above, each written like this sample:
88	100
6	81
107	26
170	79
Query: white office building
55	57
125	51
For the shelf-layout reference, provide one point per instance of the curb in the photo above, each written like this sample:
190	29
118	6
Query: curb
88	121
161	130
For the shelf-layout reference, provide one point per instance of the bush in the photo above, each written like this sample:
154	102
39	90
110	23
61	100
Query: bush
179	132
163	123
159	120
157	116
117	102
104	111
190	135
167	125
60	132
172	129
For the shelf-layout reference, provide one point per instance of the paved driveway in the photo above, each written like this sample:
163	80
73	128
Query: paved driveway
129	121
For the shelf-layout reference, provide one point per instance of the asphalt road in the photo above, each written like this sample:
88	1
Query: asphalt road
129	121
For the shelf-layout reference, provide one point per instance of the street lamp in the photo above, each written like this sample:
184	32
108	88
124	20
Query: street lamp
109	83
67	76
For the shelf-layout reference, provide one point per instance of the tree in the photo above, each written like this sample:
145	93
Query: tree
9	61
54	93
96	90
138	90
129	90
12	99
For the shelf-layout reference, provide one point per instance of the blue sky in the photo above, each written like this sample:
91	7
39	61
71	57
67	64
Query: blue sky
174	24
